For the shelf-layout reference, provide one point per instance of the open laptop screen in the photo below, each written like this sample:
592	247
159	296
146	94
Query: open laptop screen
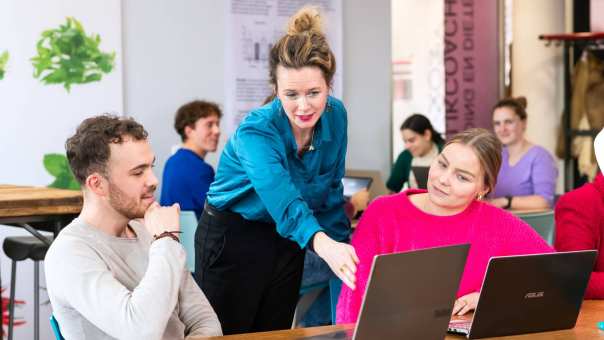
409	295
421	176
531	293
353	184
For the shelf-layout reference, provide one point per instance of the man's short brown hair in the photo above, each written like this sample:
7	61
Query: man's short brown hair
190	113
88	149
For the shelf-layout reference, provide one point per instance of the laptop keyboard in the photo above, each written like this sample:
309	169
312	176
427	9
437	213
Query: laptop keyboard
460	326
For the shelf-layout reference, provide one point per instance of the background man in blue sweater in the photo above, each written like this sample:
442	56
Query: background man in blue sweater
187	176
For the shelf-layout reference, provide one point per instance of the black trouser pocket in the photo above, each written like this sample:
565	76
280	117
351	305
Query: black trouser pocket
210	240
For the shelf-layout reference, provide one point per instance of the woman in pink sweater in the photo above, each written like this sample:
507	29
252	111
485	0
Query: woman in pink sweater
449	212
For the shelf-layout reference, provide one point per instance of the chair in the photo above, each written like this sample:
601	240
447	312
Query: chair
310	293
188	226
54	324
19	248
542	222
335	286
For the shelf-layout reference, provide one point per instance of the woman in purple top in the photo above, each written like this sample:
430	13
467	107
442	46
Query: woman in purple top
527	178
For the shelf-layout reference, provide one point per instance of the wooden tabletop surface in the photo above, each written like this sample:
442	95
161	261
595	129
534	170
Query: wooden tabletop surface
592	311
17	201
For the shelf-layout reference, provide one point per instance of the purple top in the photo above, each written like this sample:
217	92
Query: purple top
534	174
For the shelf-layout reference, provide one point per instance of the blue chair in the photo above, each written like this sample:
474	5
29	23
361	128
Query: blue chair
54	324
543	223
335	286
188	226
309	294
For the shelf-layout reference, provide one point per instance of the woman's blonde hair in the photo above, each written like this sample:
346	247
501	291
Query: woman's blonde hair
304	44
488	150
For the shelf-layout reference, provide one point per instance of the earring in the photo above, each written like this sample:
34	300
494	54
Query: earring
479	197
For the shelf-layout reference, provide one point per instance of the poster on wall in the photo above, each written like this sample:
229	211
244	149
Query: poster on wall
417	65
60	62
471	64
252	28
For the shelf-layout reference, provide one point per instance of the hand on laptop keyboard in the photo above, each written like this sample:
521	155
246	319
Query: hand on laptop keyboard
466	303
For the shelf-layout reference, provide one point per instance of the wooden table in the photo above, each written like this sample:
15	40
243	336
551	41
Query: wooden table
38	207
34	208
592	311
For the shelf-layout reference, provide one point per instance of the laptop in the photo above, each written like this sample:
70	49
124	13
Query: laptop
529	294
409	295
421	176
354	184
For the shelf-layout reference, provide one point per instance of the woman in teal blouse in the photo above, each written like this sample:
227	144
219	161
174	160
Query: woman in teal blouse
278	191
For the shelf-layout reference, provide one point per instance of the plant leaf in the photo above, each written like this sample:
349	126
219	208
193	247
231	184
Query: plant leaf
66	55
3	61
56	164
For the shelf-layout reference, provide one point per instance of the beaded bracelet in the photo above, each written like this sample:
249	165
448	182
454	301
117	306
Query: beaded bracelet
169	234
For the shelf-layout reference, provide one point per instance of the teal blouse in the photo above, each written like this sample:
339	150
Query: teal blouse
261	176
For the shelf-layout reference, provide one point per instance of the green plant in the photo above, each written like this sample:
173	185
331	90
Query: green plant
57	165
66	55
3	62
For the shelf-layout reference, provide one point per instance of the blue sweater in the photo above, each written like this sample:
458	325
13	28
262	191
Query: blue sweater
186	180
261	176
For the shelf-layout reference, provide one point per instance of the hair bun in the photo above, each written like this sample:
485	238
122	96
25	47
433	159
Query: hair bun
306	19
521	101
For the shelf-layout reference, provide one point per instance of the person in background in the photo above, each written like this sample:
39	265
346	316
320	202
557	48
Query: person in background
580	223
187	177
278	191
527	178
449	212
422	145
357	203
118	270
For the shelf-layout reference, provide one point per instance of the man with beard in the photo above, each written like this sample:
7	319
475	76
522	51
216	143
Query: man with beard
118	270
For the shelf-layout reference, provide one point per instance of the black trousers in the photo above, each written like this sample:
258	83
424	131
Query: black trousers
249	273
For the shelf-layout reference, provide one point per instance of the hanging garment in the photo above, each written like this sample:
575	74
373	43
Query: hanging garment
587	111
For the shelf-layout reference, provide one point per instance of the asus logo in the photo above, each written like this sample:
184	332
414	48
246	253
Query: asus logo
534	295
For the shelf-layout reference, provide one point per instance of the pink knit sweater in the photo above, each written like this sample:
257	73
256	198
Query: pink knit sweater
393	224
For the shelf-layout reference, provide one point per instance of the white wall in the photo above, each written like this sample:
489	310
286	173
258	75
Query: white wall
367	83
596	15
537	70
174	51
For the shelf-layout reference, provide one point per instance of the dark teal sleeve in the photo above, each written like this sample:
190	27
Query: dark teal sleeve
400	172
262	156
332	215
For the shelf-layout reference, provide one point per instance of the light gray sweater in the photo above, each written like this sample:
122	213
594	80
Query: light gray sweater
105	287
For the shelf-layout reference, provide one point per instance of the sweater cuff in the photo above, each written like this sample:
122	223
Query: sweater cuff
166	245
310	228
